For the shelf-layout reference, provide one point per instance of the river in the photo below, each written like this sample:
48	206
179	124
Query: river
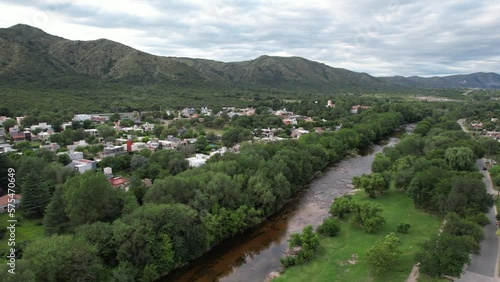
254	254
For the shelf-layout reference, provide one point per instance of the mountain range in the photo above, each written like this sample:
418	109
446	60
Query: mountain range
29	55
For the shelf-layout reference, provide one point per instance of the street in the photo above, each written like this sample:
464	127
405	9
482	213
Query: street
483	267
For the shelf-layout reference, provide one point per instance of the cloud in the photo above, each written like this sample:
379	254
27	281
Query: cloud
398	37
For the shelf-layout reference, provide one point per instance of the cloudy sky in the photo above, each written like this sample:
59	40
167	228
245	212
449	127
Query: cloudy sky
396	37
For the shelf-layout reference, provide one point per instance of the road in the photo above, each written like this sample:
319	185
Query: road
484	267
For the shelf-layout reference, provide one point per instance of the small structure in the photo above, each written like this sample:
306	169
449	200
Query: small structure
6	200
329	104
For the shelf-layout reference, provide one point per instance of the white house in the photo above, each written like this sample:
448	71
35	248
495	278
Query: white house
198	160
82	165
92	131
82	117
6	200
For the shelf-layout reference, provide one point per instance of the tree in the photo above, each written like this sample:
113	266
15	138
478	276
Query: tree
381	163
372	184
307	242
460	158
236	135
56	221
201	143
7	124
64	258
468	194
341	206
367	216
89	198
138	161
64	159
35	196
443	255
106	131
384	255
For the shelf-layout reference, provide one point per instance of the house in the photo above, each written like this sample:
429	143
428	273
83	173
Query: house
288	121
17	137
135	146
73	155
81	143
119	182
82	117
476	125
20	119
355	109
494	119
197	160
296	133
52	147
99	119
43	136
111	151
6	200
2	134
283	113
188	111
5	148
329	104
2	119
249	111
148	126
92	132
205	111
82	165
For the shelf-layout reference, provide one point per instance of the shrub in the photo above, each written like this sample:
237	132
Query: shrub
329	227
403	227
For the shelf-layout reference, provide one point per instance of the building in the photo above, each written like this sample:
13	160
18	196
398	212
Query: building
119	182
52	147
355	109
198	160
2	134
82	117
188	111
296	133
82	165
2	119
73	155
111	151
92	132
6	200
329	104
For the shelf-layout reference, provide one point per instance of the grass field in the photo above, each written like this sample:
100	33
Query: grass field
330	263
26	229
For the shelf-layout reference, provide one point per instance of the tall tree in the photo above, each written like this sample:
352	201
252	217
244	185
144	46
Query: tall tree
35	196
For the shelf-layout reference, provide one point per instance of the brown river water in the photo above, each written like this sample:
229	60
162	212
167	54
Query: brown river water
253	255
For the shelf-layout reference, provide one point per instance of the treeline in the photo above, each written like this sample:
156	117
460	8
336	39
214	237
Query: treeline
184	213
436	168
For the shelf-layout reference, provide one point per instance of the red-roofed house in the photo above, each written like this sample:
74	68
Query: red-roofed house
119	182
4	202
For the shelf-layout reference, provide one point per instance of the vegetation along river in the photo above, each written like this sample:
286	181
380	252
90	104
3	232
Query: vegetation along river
254	254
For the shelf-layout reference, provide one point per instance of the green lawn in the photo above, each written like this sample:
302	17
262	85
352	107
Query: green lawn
26	229
329	263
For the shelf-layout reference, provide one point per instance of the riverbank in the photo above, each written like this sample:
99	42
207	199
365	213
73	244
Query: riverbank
342	258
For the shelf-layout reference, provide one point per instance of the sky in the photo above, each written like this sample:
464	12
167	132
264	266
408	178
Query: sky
382	38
